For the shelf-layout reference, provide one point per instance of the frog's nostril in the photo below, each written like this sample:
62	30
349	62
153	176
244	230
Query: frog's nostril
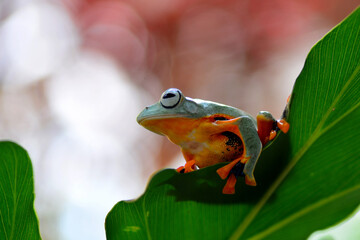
146	108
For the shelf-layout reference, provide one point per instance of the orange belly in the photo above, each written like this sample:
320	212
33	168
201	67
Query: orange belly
202	139
220	147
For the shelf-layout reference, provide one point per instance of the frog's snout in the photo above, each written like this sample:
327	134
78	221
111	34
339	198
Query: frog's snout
145	113
140	117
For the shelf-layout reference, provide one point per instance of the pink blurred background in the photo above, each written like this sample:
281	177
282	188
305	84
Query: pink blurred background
74	74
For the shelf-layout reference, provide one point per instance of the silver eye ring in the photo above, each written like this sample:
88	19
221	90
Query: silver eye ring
170	98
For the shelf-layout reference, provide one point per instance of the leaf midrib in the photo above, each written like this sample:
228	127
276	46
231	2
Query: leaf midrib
319	131
303	212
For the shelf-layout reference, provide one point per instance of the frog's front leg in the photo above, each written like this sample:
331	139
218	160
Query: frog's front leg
243	127
189	165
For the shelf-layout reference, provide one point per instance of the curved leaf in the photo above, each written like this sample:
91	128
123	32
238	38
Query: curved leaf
308	179
17	215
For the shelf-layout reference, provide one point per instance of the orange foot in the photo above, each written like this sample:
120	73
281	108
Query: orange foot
250	181
189	167
283	125
229	187
272	135
225	170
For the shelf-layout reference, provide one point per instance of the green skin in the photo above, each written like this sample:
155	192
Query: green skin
174	104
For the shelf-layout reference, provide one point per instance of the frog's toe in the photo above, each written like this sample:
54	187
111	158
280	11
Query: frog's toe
189	166
272	135
250	180
224	171
180	169
236	170
229	187
283	125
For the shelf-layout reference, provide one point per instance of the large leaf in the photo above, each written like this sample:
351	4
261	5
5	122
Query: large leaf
307	180
17	216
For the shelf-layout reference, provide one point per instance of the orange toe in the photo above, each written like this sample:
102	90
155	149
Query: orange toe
225	170
250	181
179	169
189	166
272	135
229	187
283	125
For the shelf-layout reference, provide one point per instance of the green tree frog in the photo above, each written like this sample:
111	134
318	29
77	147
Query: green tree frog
210	133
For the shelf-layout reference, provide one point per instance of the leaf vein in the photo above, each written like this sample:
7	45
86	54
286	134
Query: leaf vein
3	225
146	219
337	99
14	192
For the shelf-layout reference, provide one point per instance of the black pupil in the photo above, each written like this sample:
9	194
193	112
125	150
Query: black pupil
169	95
220	118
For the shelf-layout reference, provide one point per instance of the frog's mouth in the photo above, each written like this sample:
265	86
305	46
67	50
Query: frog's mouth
143	119
169	125
162	120
156	112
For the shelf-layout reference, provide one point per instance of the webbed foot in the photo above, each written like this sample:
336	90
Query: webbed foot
180	169
189	167
229	187
224	171
234	170
283	125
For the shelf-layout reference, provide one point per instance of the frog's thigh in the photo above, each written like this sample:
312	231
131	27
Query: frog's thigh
266	115
265	124
252	146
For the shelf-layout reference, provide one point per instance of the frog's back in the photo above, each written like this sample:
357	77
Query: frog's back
213	108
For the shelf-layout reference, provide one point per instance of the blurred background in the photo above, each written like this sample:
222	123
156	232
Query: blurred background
74	74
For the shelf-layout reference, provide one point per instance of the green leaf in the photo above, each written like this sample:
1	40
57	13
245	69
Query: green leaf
17	215
307	179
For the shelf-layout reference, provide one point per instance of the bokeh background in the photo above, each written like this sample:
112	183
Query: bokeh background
74	74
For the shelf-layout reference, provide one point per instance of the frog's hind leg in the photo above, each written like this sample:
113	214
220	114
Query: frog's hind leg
244	165
268	126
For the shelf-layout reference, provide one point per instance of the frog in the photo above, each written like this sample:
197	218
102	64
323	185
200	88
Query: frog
210	133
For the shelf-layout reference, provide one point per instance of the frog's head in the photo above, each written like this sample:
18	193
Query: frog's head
172	109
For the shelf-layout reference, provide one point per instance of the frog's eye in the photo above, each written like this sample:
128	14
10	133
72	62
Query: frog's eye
170	98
